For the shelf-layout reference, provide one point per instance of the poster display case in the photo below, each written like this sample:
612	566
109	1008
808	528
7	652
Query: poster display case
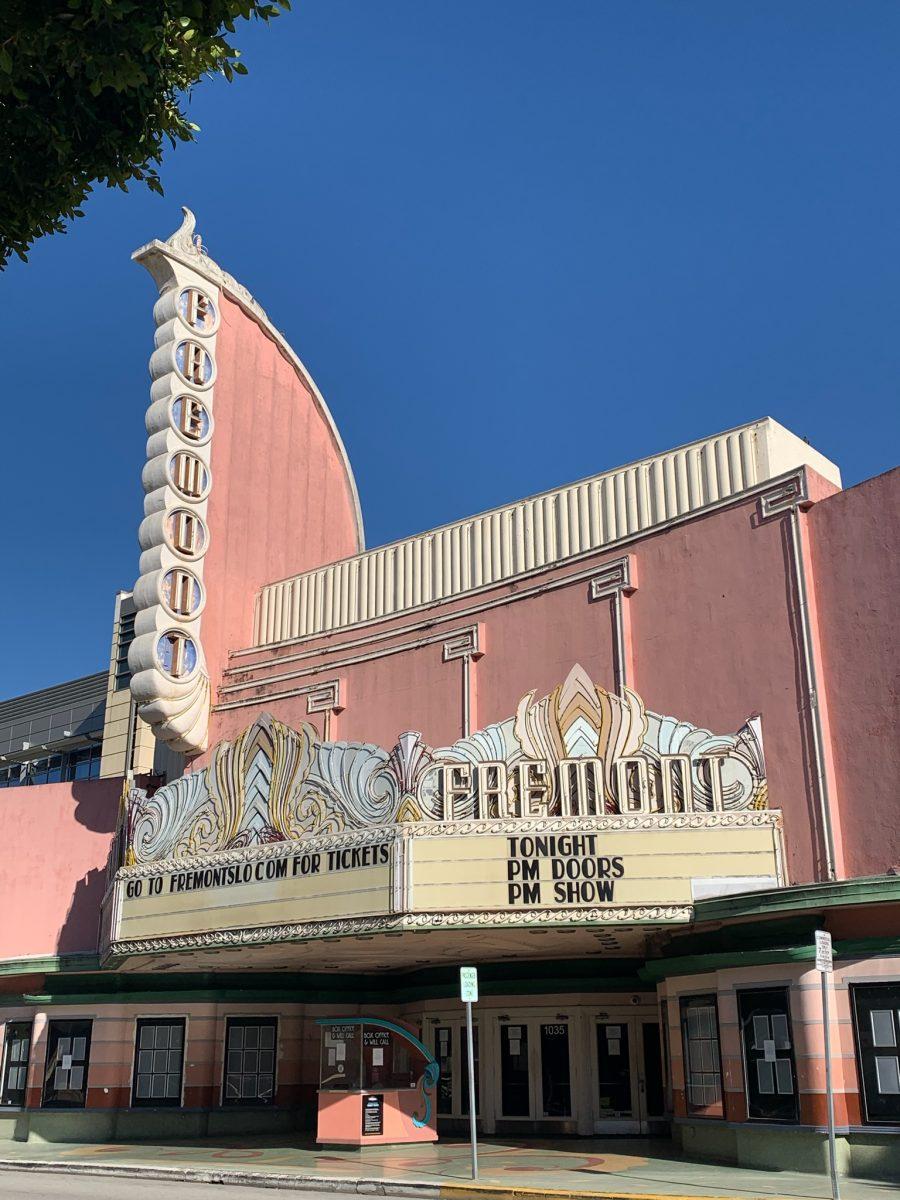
376	1084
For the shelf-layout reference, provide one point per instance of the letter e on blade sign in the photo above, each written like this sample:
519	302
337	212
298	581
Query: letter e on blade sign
468	984
824	956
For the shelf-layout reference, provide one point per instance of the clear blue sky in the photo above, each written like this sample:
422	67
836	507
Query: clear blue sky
515	241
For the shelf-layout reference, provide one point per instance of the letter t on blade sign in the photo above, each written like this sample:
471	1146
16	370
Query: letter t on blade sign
468	991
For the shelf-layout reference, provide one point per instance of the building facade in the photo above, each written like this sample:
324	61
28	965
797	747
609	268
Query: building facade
624	745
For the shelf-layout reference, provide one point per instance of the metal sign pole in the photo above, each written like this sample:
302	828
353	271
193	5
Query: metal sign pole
471	1056
468	993
829	1088
825	966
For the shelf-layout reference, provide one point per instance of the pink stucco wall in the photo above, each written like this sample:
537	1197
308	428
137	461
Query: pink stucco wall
282	500
56	837
715	638
854	538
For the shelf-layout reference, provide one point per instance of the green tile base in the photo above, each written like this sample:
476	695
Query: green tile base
44	1126
780	1148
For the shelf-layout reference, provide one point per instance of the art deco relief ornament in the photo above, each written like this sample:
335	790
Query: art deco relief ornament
580	752
169	679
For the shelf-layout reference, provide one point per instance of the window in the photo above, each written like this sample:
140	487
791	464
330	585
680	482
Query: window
46	770
15	1063
340	1065
126	637
876	1010
11	776
158	1059
250	1060
702	1066
84	764
66	1069
768	1054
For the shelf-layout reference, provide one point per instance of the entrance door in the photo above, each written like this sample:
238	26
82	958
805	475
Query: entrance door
629	1079
452	1053
535	1070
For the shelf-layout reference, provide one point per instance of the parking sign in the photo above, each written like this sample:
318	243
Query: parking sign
468	984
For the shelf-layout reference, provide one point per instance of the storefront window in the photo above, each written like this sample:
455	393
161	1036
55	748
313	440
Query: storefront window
514	1070
66	1070
768	1054
555	1074
158	1059
250	1060
389	1061
877	1014
702	1063
15	1062
339	1070
613	1070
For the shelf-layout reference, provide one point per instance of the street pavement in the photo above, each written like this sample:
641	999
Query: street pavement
621	1166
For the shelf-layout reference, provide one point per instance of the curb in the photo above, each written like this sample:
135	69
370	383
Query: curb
416	1189
424	1190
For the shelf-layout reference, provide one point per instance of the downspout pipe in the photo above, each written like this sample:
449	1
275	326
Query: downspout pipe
812	695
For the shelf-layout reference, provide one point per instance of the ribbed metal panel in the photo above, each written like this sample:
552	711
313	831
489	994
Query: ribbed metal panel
499	545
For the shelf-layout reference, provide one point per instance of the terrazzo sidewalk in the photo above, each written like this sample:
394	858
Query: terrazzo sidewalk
599	1167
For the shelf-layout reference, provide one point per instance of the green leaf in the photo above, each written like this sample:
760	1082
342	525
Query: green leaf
98	87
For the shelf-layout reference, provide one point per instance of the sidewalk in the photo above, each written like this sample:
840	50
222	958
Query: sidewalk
607	1167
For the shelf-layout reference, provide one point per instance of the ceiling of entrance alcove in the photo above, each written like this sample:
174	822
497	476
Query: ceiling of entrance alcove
407	950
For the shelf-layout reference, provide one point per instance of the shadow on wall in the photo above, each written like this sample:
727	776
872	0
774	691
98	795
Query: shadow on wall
96	808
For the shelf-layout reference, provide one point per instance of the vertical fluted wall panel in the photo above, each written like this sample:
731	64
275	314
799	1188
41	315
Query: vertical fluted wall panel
517	538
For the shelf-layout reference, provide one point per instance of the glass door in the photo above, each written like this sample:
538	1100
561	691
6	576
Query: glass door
535	1069
616	1082
452	1053
556	1074
629	1084
515	1073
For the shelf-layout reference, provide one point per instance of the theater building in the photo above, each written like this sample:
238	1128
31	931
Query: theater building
624	746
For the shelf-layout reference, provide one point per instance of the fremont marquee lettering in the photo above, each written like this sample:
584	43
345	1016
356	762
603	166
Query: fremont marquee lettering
575	787
561	868
205	878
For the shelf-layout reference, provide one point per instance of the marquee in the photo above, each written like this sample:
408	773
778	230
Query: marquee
583	807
